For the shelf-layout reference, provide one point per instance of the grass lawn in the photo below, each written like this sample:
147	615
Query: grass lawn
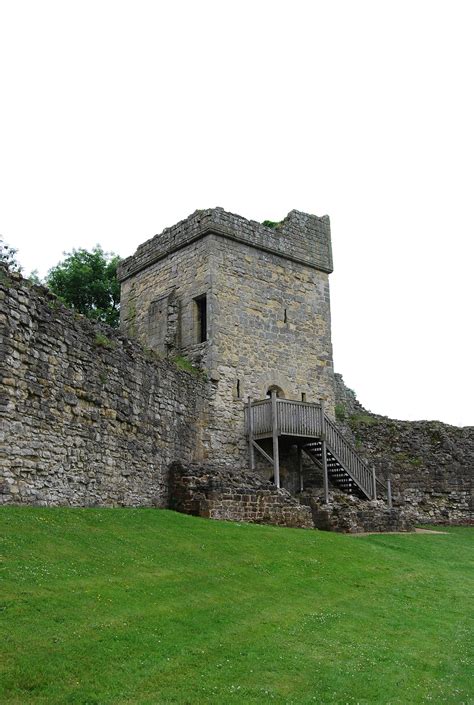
138	606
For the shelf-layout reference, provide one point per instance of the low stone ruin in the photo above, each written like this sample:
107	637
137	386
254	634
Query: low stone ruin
224	493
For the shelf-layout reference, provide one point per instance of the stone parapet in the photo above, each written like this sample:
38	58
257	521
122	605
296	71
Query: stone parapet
300	237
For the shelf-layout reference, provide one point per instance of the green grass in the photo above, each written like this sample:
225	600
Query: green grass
125	606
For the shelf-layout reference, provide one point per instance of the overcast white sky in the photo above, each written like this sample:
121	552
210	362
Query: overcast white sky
118	119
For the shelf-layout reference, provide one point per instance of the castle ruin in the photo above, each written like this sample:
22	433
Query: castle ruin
99	417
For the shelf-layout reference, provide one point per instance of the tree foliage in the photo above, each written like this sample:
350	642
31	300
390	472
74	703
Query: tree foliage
8	256
87	281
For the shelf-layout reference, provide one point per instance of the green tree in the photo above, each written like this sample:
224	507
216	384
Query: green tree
87	281
8	256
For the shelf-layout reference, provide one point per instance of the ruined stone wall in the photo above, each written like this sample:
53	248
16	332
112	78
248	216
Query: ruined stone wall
349	514
431	464
346	399
87	417
222	493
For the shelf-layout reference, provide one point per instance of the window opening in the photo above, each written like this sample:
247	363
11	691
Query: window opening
303	396
238	389
285	318
201	309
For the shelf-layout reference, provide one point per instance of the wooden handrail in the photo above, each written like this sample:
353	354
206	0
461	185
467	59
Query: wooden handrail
307	419
348	457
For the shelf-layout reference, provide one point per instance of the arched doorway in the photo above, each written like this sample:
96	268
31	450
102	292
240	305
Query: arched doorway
275	388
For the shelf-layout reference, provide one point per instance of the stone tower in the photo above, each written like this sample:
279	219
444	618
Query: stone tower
247	303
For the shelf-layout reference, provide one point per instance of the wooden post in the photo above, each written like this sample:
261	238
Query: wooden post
389	493
374	484
324	462
324	459
250	429
300	467
276	457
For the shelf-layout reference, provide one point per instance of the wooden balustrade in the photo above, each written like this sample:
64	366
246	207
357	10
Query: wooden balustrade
348	458
275	417
295	418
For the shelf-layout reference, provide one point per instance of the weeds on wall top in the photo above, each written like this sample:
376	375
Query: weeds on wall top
272	224
182	363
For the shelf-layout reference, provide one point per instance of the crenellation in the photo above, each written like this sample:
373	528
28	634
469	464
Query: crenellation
300	237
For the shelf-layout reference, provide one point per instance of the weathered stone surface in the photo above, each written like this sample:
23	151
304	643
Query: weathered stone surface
88	419
234	495
348	514
430	464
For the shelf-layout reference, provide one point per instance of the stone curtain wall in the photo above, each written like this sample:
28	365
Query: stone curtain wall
346	398
431	464
88	418
221	493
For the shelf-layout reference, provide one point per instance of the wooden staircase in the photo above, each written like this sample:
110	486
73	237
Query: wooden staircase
337	474
317	436
345	468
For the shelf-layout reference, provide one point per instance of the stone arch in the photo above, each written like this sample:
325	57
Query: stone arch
275	388
273	378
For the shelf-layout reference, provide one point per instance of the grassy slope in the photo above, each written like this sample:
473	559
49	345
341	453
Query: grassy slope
144	606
